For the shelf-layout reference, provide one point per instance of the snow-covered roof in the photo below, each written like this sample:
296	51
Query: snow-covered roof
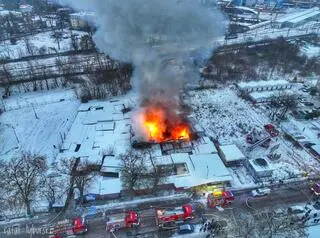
260	168
95	130
232	153
103	185
209	169
6	12
110	164
316	148
270	94
201	169
83	14
305	17
297	15
262	83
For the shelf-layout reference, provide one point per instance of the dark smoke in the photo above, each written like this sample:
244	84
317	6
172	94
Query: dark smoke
157	36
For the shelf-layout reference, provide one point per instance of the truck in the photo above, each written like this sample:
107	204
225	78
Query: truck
129	219
220	198
173	215
315	188
68	227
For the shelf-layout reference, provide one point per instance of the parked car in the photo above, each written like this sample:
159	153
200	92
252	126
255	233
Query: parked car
261	192
186	229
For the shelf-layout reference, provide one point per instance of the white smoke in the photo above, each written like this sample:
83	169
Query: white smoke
157	36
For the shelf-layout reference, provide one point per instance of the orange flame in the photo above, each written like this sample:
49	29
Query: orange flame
161	126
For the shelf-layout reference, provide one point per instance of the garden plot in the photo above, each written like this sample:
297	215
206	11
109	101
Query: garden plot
224	115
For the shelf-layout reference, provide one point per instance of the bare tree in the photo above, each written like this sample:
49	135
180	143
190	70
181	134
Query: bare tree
140	171
67	167
23	176
78	174
57	36
132	169
85	176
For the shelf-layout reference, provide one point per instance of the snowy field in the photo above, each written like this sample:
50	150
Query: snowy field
39	40
40	135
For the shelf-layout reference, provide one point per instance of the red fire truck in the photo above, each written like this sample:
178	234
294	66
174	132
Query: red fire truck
65	228
168	215
117	221
220	198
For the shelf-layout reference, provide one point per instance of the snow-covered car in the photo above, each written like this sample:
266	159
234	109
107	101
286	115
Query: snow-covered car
260	192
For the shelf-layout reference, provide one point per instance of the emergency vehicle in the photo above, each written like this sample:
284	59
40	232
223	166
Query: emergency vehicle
219	198
118	221
176	214
68	227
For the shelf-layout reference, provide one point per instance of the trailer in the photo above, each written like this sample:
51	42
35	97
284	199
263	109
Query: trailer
173	215
220	198
68	228
118	221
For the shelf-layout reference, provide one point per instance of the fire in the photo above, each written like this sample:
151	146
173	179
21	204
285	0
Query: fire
162	124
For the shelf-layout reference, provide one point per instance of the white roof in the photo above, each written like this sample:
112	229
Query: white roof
232	153
83	14
259	168
270	94
209	168
299	14
110	164
304	17
262	83
316	148
102	185
202	169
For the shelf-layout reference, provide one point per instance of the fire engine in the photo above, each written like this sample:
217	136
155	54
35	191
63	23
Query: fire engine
65	228
168	215
315	188
117	221
219	198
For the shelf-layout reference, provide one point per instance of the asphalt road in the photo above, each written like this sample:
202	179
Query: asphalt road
283	196
278	198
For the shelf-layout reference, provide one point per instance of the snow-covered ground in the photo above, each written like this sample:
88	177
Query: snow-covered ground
229	118
311	50
224	115
39	40
313	231
42	135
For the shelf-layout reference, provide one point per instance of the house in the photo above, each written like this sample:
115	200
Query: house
231	155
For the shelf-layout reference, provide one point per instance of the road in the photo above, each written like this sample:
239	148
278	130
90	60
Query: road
279	197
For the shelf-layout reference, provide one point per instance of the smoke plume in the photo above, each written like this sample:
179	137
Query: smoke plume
157	36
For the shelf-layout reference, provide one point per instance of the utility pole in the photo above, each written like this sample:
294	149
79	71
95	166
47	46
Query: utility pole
14	131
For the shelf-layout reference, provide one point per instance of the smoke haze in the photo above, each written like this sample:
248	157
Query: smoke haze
157	36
